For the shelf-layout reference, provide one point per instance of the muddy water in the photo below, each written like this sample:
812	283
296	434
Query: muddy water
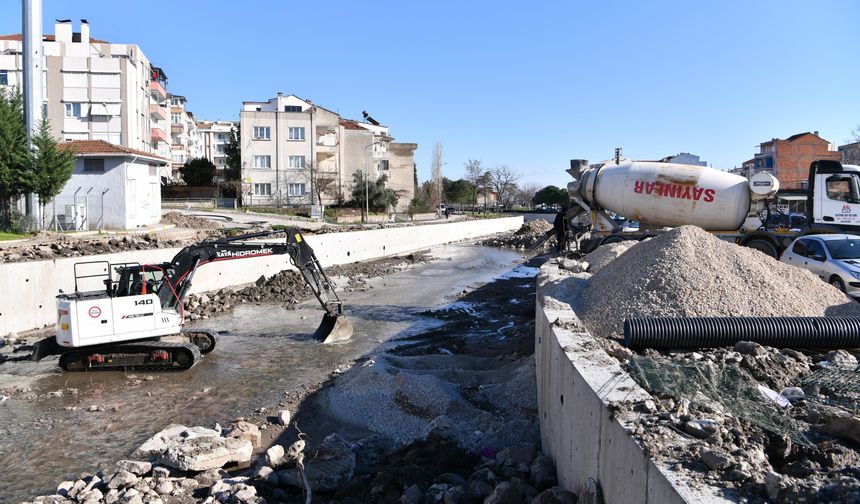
265	352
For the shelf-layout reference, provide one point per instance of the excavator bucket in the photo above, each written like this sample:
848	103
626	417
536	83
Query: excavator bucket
333	329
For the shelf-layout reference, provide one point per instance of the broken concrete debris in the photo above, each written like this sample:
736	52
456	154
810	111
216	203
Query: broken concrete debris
526	236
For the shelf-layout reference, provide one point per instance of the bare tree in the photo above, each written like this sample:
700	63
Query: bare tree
503	181
526	192
474	173
436	176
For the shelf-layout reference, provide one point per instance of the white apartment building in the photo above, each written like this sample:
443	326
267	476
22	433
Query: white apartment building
214	137
96	90
292	148
184	136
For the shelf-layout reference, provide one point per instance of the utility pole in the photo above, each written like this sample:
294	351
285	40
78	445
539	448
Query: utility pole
33	99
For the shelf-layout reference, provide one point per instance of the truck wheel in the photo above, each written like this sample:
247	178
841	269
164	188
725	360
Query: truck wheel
838	283
612	239
763	246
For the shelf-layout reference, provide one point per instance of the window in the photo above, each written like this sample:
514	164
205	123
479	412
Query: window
153	170
73	110
176	118
292	108
220	149
840	189
220	161
296	134
815	249
383	165
800	247
262	132
4	77
262	161
222	136
262	189
295	189
94	165
297	162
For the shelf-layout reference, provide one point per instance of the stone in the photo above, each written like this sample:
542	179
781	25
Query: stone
451	479
412	495
122	479
267	474
715	460
164	488
332	466
454	495
275	456
542	473
284	418
750	348
210	477
700	428
522	453
112	497
246	430
159	472
245	494
135	467
206	452
478	490
772	482
555	495
841	359
64	488
590	493
173	434
92	496
843	428
131	496
793	393
504	493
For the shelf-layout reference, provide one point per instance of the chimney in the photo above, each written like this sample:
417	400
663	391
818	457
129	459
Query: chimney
63	31
815	133
85	32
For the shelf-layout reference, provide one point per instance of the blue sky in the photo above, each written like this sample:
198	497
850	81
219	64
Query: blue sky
527	84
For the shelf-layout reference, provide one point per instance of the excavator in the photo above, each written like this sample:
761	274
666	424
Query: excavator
121	326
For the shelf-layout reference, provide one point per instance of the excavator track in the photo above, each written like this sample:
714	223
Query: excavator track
146	356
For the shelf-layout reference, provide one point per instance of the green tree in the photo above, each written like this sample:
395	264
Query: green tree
459	191
52	166
233	150
16	160
551	195
377	194
198	172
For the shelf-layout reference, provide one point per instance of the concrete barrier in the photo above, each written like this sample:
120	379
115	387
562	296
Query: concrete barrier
30	287
578	383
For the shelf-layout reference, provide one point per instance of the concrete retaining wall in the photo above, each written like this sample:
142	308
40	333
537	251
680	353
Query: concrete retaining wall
29	288
577	384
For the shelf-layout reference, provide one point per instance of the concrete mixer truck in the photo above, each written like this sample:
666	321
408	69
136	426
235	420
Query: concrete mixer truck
664	195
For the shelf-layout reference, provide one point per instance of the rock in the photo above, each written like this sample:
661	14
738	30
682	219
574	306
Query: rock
451	479
793	393
412	495
267	474
275	456
843	428
246	430
542	472
331	468
715	460
750	348
135	467
647	406
164	488
555	495
841	359
522	453
772	482
205	452
131	496
284	418
122	479
478	490
112	497
245	495
590	493
159	472
173	434
454	495
64	488
504	493
701	428
92	496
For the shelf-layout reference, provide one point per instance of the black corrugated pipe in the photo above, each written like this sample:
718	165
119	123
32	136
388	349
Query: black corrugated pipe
663	333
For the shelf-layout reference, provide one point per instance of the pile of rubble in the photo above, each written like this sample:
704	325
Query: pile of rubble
526	236
62	246
189	221
792	434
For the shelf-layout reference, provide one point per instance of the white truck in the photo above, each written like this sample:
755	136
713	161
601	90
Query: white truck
665	195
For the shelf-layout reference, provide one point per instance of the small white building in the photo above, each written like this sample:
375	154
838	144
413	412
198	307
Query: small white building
112	187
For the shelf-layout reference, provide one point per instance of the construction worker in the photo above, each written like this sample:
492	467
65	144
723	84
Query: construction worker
560	227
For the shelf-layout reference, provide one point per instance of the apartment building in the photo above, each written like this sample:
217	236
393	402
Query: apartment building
214	137
850	153
298	153
684	158
789	159
185	141
96	90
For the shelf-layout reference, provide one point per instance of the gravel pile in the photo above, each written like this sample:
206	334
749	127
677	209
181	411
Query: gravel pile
605	254
188	221
688	272
70	247
524	237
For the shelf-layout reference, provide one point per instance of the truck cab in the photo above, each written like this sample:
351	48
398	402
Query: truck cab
833	200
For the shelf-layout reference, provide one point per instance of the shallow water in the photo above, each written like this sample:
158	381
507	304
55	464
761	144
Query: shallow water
265	351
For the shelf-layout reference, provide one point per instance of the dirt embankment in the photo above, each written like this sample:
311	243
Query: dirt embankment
525	237
767	424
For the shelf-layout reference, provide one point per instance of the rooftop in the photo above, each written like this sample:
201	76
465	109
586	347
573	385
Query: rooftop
46	38
106	149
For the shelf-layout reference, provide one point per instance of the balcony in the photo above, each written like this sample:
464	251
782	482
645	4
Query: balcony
157	90
158	112
177	128
159	135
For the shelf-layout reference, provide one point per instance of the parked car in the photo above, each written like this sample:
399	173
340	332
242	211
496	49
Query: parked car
792	221
835	258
